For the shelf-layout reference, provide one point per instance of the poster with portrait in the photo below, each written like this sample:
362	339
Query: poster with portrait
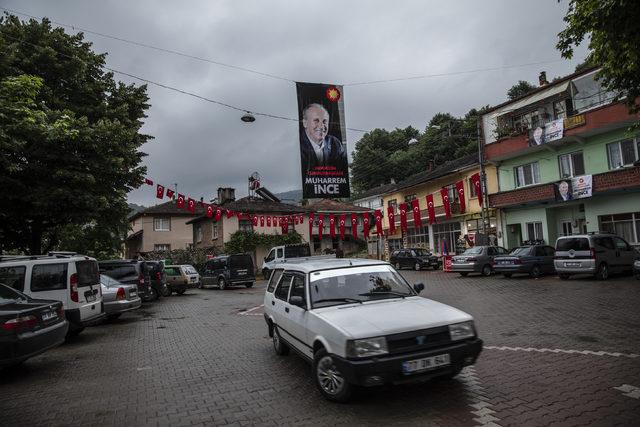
563	190
548	132
323	146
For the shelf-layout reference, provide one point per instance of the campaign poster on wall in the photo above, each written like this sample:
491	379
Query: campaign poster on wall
578	187
548	132
323	146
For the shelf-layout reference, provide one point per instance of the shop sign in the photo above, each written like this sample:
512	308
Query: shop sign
574	121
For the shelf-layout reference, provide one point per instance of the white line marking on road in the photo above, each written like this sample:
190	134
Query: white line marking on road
557	350
629	391
484	415
248	312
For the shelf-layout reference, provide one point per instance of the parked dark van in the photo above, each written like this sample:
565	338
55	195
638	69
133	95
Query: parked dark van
130	272
228	270
158	277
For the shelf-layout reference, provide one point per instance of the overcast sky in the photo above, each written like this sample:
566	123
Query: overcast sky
203	146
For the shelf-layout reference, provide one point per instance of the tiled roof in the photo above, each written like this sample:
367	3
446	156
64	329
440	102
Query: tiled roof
376	191
329	205
168	208
439	172
256	205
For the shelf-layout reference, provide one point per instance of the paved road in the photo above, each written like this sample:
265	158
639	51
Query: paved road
557	352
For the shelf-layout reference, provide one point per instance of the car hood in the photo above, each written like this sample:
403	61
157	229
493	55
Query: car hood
390	316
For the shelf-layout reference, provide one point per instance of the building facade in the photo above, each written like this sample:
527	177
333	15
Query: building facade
374	200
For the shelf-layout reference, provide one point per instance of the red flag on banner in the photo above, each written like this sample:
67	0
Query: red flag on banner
378	216
320	225
170	193
403	216
301	219
230	214
460	191
444	193
239	215
431	209
475	181
254	218
311	215
274	221
268	221
148	181
391	216
180	201
218	213
296	219
354	225
332	226
191	205
365	225
159	191
415	205
209	211
261	220
343	220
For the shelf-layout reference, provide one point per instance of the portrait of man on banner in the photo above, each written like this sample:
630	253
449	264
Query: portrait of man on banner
563	190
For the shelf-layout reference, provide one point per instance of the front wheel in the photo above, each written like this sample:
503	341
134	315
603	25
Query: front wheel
332	383
397	266
222	284
603	272
166	291
486	270
248	285
464	273
535	271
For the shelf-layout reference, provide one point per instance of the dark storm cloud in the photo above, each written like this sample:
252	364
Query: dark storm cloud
203	146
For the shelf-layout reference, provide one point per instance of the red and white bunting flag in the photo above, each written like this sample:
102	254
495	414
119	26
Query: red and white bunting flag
209	211
431	209
170	193
444	193
403	216
378	216
332	226
230	214
365	225
274	221
239	215
191	205
460	191
254	219
343	220
354	225
218	213
268	221
180	203
475	181
415	206
261	220
160	191
148	181
296	219
301	219
311	215
320	225
391	217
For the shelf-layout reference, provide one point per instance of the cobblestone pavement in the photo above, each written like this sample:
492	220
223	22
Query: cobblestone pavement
556	352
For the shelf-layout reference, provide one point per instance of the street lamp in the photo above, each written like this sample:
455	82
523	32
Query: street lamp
248	117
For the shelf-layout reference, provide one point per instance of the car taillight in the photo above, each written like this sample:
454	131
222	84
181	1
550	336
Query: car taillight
517	261
141	279
20	323
593	253
73	290
60	312
120	294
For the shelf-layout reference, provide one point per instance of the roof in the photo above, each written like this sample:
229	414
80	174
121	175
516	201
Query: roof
376	191
308	265
255	205
330	205
167	208
439	172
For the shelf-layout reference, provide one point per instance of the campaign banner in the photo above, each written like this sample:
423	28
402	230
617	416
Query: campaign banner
547	133
578	187
323	147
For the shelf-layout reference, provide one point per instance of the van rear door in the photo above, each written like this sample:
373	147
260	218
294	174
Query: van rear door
241	267
87	279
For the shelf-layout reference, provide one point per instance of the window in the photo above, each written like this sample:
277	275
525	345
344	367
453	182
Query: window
279	253
623	153
620	244
453	193
560	109
472	189
394	244
567	228
408	199
625	225
445	236
418	237
393	206
88	273
245	225
282	291
297	287
48	277
587	93
527	174
571	164
162	224
273	280
13	277
214	231
162	247
197	229
534	231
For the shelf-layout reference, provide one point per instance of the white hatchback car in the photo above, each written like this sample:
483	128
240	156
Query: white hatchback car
360	323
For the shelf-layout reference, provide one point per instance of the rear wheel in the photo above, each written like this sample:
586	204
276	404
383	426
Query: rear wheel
535	271
113	316
166	291
603	271
563	276
464	273
180	291
153	294
486	270
416	266
279	347
248	285
397	266
222	284
507	275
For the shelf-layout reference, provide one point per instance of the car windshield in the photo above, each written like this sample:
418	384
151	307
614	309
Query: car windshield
523	250
356	284
8	296
473	251
108	281
189	269
421	252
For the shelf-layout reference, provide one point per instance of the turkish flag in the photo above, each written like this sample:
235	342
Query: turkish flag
191	205
301	219
148	181
460	191
392	220
378	216
444	193
403	216
343	220
230	214
261	220
159	191
285	226
332	226
365	225
311	215
415	205
170	193
274	221
255	220
320	225
239	215
209	211
218	213
475	181
354	225
268	221
180	201
431	209
296	220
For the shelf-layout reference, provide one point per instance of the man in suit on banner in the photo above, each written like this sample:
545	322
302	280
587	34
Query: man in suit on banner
318	148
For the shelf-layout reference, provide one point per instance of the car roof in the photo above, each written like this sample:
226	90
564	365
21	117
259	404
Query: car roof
307	265
35	258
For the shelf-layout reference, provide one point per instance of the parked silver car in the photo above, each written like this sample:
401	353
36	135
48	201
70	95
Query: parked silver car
599	254
118	297
478	259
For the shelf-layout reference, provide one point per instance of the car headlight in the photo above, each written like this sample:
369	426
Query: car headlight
460	331
367	347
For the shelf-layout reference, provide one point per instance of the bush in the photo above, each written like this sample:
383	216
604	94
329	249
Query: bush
195	257
248	241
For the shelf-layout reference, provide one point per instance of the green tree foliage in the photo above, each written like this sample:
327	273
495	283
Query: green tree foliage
69	137
248	241
614	42
520	89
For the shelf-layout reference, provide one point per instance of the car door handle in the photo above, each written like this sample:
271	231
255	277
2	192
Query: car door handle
286	309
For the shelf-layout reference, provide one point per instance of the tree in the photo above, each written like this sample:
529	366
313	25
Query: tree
614	42
520	89
69	137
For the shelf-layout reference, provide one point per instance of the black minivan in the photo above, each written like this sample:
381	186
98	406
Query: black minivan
227	270
130	272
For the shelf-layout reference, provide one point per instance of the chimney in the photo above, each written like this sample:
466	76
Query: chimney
226	195
542	78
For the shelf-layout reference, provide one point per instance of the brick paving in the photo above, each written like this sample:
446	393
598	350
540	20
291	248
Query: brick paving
558	353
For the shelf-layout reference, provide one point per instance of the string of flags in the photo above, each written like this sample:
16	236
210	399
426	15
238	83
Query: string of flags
337	222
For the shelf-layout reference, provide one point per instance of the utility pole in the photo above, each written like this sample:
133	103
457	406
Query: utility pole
484	209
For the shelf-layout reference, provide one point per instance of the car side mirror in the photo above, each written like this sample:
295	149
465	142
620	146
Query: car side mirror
418	287
297	301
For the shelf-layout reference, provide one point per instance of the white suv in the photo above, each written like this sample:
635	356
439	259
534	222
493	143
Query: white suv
63	276
360	323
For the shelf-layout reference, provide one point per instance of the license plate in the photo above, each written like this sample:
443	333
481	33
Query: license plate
91	298
425	364
572	264
48	315
132	293
505	262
